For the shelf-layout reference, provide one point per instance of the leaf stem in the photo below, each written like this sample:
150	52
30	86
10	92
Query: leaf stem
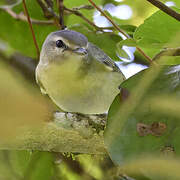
165	9
31	28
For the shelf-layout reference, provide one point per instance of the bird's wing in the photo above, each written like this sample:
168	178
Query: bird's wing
99	55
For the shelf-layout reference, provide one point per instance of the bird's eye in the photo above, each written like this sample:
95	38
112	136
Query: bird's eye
60	44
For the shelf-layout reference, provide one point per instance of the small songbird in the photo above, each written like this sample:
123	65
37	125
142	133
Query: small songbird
76	74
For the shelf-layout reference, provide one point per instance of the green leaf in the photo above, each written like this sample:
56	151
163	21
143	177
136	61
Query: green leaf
121	52
33	7
20	38
153	169
169	60
152	100
41	166
158	31
130	29
26	165
127	42
19	161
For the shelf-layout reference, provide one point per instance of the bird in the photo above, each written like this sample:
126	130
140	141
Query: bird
76	74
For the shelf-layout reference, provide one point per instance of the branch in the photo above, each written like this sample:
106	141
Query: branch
74	11
22	17
77	13
145	55
68	133
47	10
165	9
31	28
107	17
61	14
49	3
120	30
88	7
25	65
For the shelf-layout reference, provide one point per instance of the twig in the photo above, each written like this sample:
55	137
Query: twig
22	17
77	13
145	55
46	11
112	22
49	3
61	14
88	7
32	31
165	9
120	30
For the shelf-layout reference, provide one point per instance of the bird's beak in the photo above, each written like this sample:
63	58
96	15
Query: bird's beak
80	51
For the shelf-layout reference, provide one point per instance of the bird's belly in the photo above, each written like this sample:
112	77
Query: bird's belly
91	93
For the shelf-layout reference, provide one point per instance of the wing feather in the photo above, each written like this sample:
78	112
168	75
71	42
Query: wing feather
99	55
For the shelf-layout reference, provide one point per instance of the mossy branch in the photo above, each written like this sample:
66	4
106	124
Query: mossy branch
67	133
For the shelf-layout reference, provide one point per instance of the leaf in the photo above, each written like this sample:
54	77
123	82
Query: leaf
130	29
169	60
158	31
41	166
152	98
20	38
121	52
153	169
27	165
127	42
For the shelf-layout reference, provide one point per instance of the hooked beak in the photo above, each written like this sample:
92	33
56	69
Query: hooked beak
79	51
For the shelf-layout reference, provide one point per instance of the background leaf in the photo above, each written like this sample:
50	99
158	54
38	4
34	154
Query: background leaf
154	34
149	93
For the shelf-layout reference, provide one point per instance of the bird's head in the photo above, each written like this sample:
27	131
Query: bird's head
59	45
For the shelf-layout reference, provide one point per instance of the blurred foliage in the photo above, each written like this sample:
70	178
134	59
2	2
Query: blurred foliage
143	122
147	122
21	104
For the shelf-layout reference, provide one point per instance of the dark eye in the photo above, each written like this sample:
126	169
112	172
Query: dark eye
60	44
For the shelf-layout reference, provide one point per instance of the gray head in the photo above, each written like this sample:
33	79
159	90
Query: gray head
62	43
